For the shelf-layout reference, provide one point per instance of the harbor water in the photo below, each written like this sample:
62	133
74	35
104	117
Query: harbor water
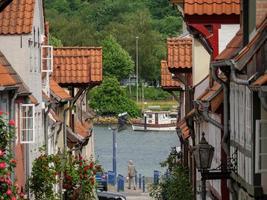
146	149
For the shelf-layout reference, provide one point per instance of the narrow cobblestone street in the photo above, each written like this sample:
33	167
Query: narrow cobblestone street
136	195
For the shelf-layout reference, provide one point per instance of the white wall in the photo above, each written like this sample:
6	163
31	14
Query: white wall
226	33
200	61
25	59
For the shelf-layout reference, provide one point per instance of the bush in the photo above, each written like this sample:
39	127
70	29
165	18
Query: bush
109	99
150	93
174	186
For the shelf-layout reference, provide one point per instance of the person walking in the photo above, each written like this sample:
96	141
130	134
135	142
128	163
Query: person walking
131	174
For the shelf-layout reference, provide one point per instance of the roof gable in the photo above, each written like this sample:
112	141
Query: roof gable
17	17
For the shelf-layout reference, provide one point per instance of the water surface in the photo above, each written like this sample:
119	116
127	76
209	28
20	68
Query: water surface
146	149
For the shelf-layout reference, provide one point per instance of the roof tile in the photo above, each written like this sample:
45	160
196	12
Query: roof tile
232	47
214	95
180	53
58	92
211	7
78	65
5	78
167	82
17	17
81	129
182	126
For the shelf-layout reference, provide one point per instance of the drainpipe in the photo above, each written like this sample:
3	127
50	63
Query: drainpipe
225	139
234	78
205	105
12	116
46	127
263	96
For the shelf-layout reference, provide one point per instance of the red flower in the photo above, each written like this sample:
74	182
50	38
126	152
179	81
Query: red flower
92	180
1	112
8	192
91	165
14	198
1	153
13	161
11	122
2	165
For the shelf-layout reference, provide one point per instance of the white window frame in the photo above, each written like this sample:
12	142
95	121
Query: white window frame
47	58
258	138
22	118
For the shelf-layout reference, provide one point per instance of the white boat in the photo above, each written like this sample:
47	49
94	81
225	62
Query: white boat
155	121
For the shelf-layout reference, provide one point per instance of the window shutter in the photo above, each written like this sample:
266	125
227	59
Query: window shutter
261	147
27	123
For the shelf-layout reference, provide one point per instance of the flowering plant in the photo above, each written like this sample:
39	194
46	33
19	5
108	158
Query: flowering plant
78	176
8	191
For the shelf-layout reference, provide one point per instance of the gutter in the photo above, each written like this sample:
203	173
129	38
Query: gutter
205	105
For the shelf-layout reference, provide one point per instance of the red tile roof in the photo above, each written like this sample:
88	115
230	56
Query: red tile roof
211	7
33	100
182	126
261	7
81	129
167	82
180	53
5	78
22	88
58	92
17	17
256	47
214	95
232	47
78	65
4	3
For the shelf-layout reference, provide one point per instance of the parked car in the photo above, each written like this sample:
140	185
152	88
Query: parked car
102	181
102	195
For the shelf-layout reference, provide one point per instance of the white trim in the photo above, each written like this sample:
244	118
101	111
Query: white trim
27	129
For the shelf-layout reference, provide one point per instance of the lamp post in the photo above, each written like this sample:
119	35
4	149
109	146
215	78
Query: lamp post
122	120
136	63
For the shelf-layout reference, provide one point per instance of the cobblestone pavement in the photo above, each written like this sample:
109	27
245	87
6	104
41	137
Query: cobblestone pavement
136	195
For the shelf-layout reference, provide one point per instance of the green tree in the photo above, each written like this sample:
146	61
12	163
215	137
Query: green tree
110	99
116	61
176	185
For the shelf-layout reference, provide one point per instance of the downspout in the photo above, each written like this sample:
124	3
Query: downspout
46	127
263	96
12	116
225	139
234	78
205	105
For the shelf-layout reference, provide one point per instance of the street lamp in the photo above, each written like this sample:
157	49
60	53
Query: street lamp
203	154
122	120
136	63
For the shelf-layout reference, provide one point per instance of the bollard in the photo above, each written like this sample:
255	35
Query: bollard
143	184
135	181
140	181
156	176
120	183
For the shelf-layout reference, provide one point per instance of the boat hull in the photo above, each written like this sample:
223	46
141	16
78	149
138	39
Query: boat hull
166	127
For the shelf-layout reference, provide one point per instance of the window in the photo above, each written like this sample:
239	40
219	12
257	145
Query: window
261	147
47	58
27	123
